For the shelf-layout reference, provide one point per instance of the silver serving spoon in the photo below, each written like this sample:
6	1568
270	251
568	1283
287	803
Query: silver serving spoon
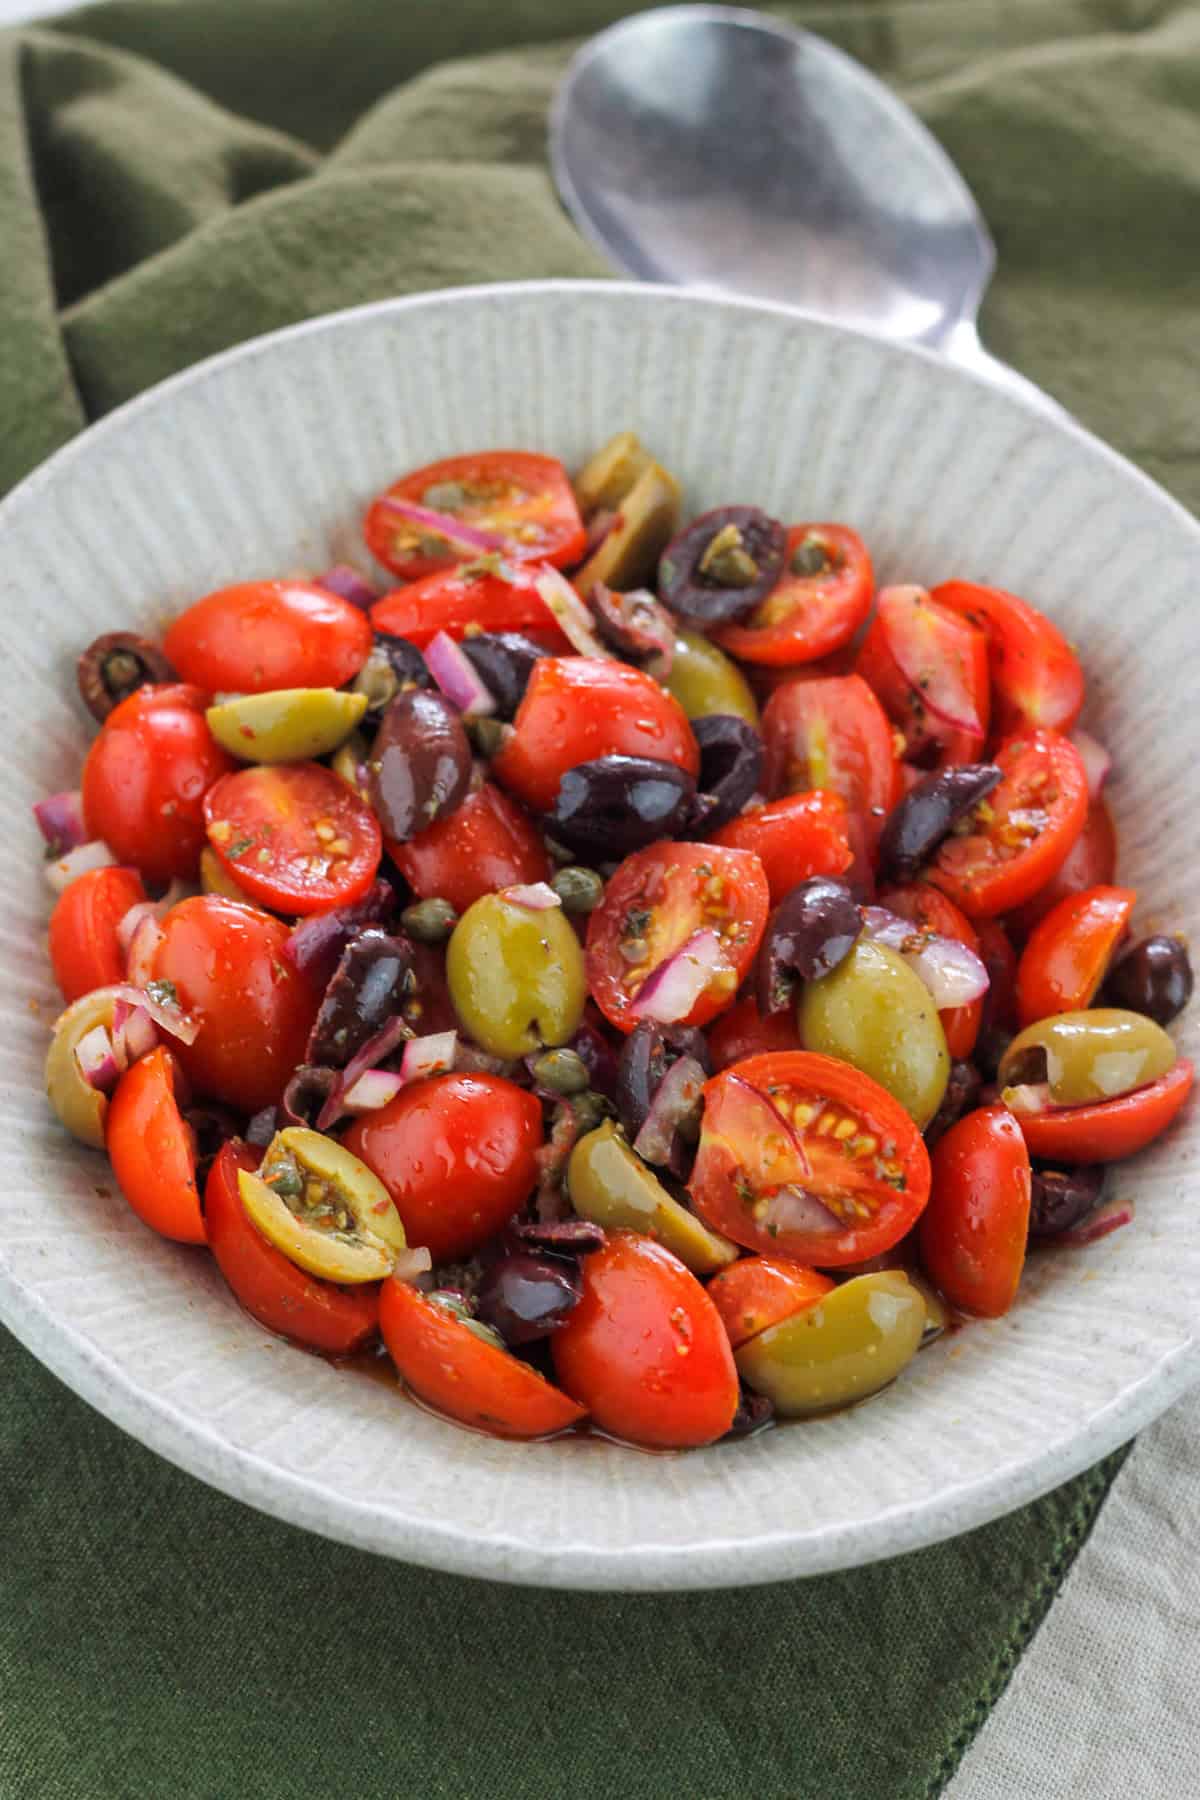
706	146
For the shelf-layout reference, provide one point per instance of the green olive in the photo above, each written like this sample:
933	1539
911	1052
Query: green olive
704	680
847	1346
648	520
516	976
1084	1056
323	1208
288	725
350	763
216	879
875	1013
611	473
81	1107
612	1187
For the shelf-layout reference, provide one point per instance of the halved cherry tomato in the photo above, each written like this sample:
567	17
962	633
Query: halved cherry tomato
145	778
459	599
262	635
524	498
462	1375
319	1314
761	1291
1069	951
1091	862
1110	1129
1000	961
832	733
645	1350
973	1232
293	836
577	708
659	898
152	1148
1022	831
487	843
930	909
743	1032
805	1157
793	838
929	668
457	1155
225	961
1036	677
84	950
811	610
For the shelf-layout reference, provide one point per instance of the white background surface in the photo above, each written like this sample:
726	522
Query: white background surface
13	12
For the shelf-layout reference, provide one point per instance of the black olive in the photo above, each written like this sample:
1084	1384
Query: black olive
566	1237
646	1055
753	1412
962	1093
420	765
1063	1198
1154	977
262	1127
393	667
115	666
504	661
306	1093
927	813
810	932
618	804
722	565
525	1296
731	760
634	624
369	985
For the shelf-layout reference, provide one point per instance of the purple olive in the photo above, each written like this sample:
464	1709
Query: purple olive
618	804
115	666
722	565
524	1296
504	661
1063	1198
962	1093
753	1412
810	932
369	986
647	1054
420	765
262	1127
731	760
305	1094
1154	977
634	624
566	1237
927	814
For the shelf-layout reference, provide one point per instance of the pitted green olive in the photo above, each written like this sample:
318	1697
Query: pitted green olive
647	522
81	1107
516	976
847	1346
611	473
704	680
612	1187
1088	1056
874	1012
350	762
323	1208
288	725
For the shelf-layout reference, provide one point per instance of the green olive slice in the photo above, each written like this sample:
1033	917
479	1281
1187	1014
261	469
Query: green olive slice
704	680
1097	1054
612	1187
648	520
874	1012
323	1208
611	473
846	1347
287	725
81	1107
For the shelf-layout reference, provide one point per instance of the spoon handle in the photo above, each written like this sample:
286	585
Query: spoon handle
963	347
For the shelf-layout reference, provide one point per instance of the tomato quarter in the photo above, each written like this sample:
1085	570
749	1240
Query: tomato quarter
294	836
761	1291
793	838
1109	1129
486	843
524	499
263	635
930	909
973	1232
152	1149
1036	677
816	606
832	733
1091	862
1069	951
928	667
742	1032
84	948
472	597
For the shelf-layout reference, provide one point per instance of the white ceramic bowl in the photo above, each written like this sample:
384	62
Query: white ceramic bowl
260	462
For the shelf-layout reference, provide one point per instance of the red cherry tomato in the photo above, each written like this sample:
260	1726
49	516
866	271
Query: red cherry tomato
455	600
928	667
1024	829
525	499
660	897
318	1314
832	733
1068	953
1091	862
743	1032
457	1153
793	838
486	843
445	1364
1000	961
929	908
1036	677
973	1232
263	635
145	779
773	1174
84	949
807	615
577	708
152	1149
761	1291
226	963
645	1350
293	836
1110	1129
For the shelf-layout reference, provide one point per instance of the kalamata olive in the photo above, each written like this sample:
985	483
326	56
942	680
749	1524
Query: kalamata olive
646	1055
114	666
212	1126
636	625
305	1095
722	565
753	1412
368	987
262	1127
1154	978
927	813
504	661
420	766
1063	1198
809	934
566	1237
731	760
393	667
617	804
962	1092
525	1296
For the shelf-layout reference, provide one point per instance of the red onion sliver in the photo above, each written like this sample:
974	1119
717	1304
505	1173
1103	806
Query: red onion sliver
457	676
534	896
570	613
1027	1099
432	1055
951	971
1097	763
133	1033
445	525
373	1052
129	922
316	943
97	1063
143	946
795	1209
672	990
372	1090
347	584
168	1015
79	861
60	821
676	1098
1109	1218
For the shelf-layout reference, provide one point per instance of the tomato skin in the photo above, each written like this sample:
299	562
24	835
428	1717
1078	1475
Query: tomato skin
84	950
743	1032
1111	1129
272	817
577	708
255	1010
486	843
912	631
450	601
645	1350
973	1232
1036	677
929	907
1091	862
1000	960
457	1155
152	1150
1069	951
535	508
793	838
807	616
832	733
262	635
145	778
760	1291
338	1321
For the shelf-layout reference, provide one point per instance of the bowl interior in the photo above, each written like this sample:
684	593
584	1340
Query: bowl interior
260	463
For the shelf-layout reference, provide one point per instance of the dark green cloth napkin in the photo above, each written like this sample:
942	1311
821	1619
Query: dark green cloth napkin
175	177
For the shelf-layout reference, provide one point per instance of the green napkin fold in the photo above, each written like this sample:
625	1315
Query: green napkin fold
175	177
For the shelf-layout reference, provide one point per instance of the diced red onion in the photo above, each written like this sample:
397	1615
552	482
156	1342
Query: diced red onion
676	1099
347	584
166	1014
534	896
143	946
372	1090
571	615
133	1033
1027	1098
445	525
795	1209
457	676
60	821
951	971
672	990
97	1063
1097	763
413	1265
374	1051
128	924
315	944
431	1055
79	861
1109	1218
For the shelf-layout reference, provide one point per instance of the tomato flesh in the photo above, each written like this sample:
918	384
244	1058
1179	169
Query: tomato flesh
262	635
459	600
806	616
85	951
929	669
1036	677
760	1291
793	838
1091	862
152	1149
973	1232
293	836
743	1032
1069	952
832	733
524	498
487	843
1110	1129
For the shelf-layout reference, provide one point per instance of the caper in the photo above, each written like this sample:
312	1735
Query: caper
611	473
429	921
849	1345
516	976
561	1071
590	1109
613	1188
445	496
580	890
627	556
704	680
726	562
487	735
393	666
1086	1056
286	725
811	557
875	1013
323	1208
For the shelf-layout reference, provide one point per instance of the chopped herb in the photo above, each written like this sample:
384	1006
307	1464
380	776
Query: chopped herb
163	993
241	847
